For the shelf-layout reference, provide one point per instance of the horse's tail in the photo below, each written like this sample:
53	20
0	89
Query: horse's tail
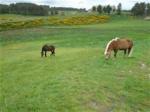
131	48
130	52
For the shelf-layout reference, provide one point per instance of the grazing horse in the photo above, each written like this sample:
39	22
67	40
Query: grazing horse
118	44
46	48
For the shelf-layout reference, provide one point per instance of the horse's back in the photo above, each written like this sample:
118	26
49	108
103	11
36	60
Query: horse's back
48	47
124	43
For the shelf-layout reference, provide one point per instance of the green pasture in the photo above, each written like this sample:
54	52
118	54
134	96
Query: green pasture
78	78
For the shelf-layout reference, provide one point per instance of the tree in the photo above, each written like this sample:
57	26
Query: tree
148	9
56	12
52	12
113	9
4	8
94	8
99	9
139	9
104	9
108	9
119	7
25	9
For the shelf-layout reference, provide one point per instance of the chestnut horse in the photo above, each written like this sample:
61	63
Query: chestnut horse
46	48
118	44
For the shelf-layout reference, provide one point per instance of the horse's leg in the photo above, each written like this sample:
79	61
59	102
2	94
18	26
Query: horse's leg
125	51
41	53
129	50
115	53
53	52
45	54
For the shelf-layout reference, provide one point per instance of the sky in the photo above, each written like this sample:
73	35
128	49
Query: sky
126	4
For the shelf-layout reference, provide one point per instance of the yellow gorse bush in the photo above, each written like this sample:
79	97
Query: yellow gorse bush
21	24
78	20
91	19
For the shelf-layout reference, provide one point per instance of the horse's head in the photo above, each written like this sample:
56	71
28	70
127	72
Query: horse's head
108	49
107	54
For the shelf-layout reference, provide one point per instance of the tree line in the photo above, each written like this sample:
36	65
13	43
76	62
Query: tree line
108	9
56	10
33	9
139	9
67	9
24	9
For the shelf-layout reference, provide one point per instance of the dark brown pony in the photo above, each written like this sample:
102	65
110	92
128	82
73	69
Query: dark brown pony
118	44
46	48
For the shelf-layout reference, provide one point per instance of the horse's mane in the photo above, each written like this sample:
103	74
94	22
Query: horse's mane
115	39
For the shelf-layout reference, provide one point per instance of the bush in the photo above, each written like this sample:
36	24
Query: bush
92	19
80	20
21	24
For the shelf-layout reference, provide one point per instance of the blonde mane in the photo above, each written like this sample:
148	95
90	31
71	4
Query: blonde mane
115	39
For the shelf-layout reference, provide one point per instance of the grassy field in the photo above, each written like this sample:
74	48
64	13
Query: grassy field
78	78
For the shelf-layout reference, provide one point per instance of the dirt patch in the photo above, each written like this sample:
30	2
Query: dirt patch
98	106
143	65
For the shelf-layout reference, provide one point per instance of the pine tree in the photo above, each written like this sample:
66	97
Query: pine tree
99	9
94	8
119	7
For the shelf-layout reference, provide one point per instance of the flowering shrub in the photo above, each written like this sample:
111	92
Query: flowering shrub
21	24
91	19
78	20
